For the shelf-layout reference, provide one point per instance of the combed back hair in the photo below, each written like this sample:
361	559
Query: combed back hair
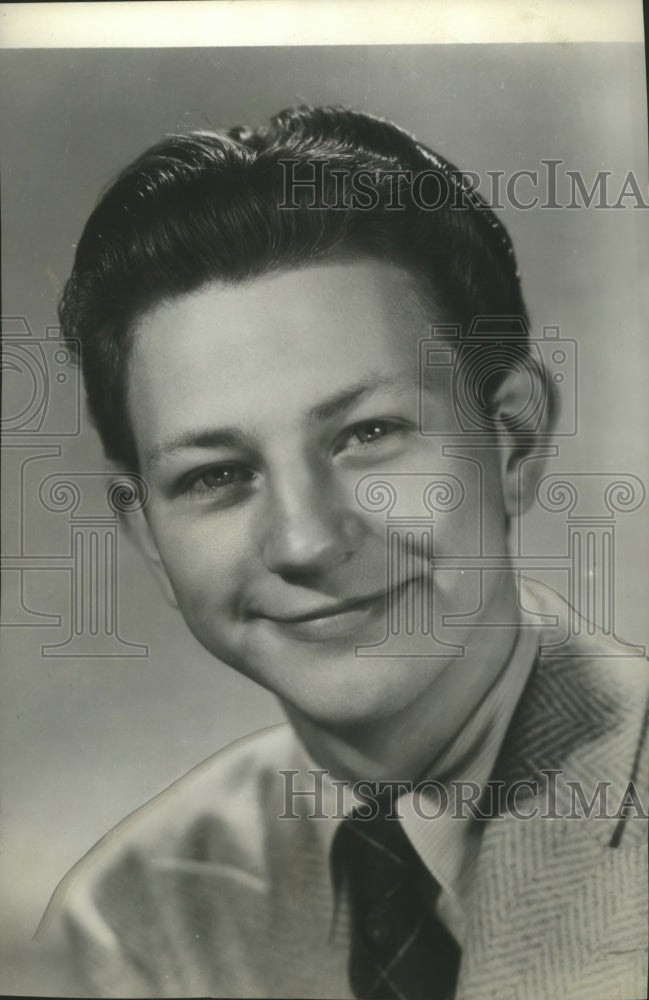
212	206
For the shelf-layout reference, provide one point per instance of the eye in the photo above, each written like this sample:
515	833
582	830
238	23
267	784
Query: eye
222	479
370	434
371	431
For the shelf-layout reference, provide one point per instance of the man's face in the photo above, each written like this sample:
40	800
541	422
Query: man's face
257	409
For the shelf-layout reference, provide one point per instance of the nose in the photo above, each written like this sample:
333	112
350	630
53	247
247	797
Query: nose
307	528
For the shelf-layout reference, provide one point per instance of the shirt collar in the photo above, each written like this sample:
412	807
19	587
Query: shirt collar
449	843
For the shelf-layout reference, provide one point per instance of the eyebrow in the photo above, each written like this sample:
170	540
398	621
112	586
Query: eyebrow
226	437
326	410
347	398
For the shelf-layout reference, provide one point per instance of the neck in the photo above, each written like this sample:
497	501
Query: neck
405	745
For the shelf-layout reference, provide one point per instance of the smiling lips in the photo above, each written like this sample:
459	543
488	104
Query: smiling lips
334	621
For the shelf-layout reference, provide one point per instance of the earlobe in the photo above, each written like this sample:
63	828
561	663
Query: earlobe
524	434
523	467
139	530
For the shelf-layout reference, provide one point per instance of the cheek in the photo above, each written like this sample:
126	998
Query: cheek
470	519
206	562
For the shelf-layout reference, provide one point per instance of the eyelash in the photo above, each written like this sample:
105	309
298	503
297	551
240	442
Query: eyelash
388	429
195	483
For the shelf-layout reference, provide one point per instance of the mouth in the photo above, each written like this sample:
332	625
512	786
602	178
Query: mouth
336	621
330	610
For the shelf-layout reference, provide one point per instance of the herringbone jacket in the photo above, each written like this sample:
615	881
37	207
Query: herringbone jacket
193	894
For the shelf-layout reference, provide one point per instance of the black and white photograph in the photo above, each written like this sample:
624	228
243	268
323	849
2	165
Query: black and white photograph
325	528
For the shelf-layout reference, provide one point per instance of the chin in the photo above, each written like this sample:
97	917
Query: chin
342	714
365	691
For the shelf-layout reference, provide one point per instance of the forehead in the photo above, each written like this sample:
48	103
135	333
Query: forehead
226	352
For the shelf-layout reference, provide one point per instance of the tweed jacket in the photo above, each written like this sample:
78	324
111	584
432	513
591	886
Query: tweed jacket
187	897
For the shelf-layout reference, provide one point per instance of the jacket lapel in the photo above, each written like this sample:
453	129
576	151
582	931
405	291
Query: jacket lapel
554	910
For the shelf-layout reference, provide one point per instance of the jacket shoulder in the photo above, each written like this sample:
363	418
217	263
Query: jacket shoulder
216	812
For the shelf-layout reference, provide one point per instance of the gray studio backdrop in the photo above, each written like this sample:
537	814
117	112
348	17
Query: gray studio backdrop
86	739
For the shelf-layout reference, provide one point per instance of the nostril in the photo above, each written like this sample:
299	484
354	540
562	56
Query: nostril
309	548
300	558
305	532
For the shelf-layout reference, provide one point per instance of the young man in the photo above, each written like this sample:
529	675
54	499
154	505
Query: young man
251	308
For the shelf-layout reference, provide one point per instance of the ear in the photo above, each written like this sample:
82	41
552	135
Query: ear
525	408
139	530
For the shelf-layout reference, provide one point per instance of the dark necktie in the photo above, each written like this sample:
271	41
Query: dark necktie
399	949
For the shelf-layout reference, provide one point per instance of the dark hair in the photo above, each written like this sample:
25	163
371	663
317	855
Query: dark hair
213	206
